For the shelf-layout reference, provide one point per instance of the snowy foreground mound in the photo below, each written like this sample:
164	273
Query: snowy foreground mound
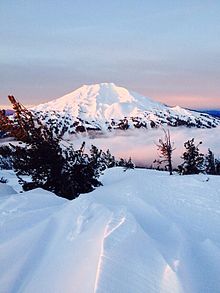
143	231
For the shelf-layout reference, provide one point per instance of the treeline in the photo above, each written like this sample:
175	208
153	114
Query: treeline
194	162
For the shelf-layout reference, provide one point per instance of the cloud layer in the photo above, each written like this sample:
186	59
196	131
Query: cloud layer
140	145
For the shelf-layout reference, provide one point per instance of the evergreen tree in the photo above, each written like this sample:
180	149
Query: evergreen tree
97	156
109	159
51	166
42	156
210	163
24	126
126	164
5	157
193	160
217	166
129	164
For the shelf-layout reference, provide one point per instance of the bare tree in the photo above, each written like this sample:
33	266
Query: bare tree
165	148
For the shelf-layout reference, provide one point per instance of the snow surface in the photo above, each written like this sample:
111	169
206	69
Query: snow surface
6	189
142	231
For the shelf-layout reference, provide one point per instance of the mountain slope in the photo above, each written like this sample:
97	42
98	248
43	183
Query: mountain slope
106	106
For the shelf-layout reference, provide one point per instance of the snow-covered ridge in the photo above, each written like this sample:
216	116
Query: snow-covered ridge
158	237
106	106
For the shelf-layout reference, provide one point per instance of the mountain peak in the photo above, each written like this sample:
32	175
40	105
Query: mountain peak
101	99
107	92
105	106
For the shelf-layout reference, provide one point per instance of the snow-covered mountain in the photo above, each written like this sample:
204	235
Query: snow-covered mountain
105	106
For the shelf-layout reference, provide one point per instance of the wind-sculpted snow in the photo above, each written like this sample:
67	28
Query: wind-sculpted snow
142	231
104	107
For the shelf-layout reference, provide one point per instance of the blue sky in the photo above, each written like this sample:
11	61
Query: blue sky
167	50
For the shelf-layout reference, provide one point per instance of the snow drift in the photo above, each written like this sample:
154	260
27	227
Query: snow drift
142	231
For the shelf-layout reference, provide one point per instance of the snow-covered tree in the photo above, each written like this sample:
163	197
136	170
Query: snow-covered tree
193	160
109	159
217	166
210	163
41	156
127	164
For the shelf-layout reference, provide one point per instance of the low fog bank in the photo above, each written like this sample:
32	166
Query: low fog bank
140	145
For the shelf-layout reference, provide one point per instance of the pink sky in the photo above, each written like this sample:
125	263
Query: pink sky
193	102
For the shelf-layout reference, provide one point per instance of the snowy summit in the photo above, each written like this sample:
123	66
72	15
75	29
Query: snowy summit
106	106
102	101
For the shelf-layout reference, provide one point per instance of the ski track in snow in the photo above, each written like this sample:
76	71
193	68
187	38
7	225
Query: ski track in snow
142	231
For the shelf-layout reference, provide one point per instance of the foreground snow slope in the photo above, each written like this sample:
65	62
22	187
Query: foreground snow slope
142	231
